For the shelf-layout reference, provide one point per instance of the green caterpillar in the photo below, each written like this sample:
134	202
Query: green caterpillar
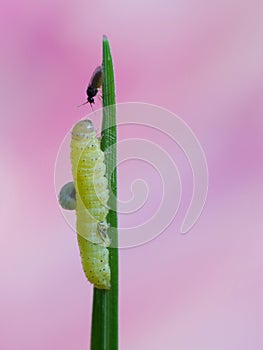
91	195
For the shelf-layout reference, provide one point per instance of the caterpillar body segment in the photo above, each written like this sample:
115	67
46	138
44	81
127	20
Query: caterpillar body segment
92	194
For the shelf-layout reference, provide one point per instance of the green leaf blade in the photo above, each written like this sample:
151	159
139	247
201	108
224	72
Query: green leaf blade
105	303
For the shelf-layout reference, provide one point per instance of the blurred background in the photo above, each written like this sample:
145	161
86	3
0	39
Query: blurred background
203	60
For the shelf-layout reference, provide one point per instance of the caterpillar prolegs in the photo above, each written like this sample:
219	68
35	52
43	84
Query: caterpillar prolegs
91	196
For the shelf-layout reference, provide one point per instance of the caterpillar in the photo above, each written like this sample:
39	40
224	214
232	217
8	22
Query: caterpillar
91	193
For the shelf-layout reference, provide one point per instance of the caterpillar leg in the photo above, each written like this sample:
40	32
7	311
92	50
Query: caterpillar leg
102	229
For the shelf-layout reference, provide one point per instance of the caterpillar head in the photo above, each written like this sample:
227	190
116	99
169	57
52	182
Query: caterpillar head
84	129
67	196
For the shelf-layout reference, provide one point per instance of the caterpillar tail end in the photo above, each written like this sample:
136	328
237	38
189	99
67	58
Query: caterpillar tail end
95	262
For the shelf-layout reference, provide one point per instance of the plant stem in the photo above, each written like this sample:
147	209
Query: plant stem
104	335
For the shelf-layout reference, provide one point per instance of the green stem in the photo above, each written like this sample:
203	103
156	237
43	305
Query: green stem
104	335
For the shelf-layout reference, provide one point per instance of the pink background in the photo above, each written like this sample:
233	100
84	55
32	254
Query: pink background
204	61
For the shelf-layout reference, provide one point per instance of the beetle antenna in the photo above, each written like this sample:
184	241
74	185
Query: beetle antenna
83	104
